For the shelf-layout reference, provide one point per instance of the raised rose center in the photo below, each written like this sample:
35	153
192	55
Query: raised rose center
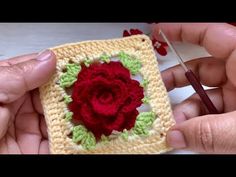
106	97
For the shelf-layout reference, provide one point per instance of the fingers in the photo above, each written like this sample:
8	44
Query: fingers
43	127
4	120
193	106
36	101
218	39
44	147
25	76
209	71
38	108
208	134
178	31
27	126
8	145
230	65
18	59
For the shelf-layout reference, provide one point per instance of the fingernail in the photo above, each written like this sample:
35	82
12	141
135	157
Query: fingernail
176	139
45	55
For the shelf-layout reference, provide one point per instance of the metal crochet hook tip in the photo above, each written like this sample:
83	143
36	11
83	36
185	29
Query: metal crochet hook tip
173	50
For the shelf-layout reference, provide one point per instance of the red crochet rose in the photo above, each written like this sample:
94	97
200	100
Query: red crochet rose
105	98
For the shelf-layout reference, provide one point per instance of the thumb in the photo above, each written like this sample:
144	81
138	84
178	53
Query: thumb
16	79
208	134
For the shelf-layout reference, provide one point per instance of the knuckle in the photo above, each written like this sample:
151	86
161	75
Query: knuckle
14	77
4	120
20	71
205	136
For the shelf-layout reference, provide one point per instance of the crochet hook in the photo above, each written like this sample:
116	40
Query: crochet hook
193	80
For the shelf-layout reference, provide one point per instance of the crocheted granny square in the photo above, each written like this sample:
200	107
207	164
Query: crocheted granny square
107	97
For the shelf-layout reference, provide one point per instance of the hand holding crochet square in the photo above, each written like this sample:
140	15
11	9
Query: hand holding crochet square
107	97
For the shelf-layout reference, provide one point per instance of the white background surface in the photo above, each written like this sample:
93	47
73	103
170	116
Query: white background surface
17	39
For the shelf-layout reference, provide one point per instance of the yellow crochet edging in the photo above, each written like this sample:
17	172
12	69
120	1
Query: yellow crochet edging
52	95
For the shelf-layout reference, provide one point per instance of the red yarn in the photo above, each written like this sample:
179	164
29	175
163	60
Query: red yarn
125	33
159	46
131	32
105	98
135	31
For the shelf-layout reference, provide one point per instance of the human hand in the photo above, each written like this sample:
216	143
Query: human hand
22	124
195	130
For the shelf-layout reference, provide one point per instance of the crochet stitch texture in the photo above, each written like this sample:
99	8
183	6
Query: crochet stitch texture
55	99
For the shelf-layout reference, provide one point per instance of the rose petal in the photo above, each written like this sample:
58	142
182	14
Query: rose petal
135	97
161	50
125	33
130	120
135	31
119	72
88	73
115	123
74	107
81	91
122	121
118	91
91	121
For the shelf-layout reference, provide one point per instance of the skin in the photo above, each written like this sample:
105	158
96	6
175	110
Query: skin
22	124
195	129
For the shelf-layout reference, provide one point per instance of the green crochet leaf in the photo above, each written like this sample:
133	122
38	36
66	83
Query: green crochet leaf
87	139
130	62
143	123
